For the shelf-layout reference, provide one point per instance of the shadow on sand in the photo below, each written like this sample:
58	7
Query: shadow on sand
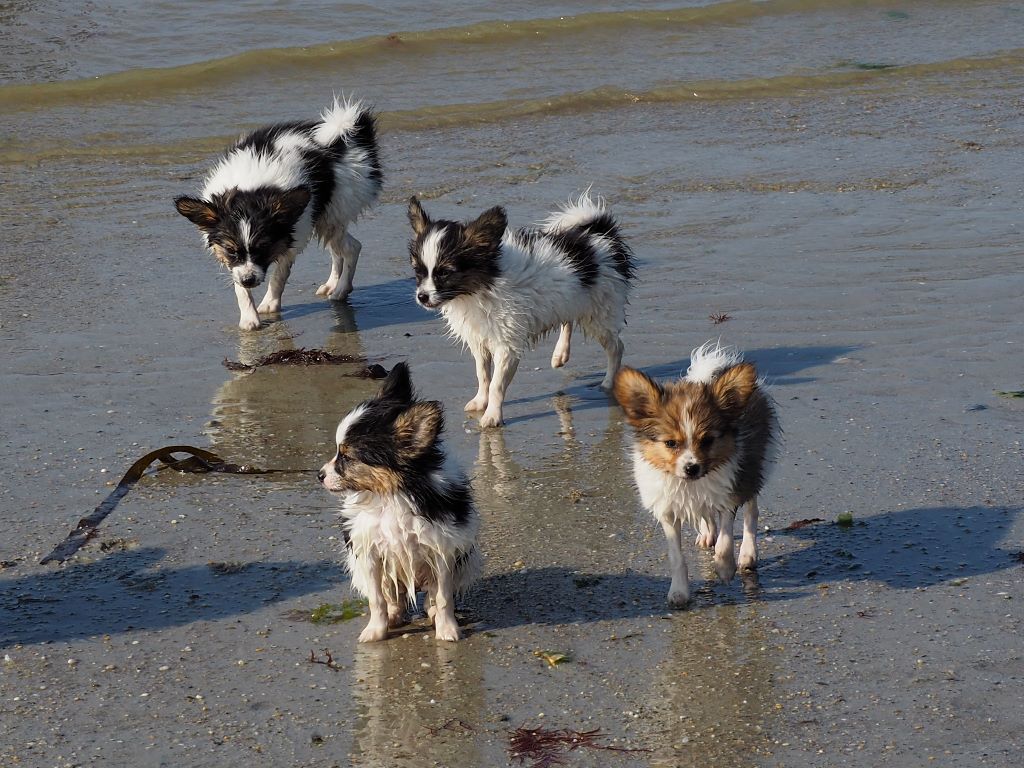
124	592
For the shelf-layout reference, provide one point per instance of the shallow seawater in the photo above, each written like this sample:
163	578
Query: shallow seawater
840	180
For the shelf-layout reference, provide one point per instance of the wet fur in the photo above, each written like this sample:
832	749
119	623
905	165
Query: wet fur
409	521
500	290
278	186
702	450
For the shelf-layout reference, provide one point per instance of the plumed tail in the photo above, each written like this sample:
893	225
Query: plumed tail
345	120
590	217
710	359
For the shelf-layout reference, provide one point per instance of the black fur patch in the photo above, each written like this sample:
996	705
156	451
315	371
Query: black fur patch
606	226
270	236
465	264
575	245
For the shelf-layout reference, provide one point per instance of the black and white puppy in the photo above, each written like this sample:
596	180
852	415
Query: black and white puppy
500	290
276	188
408	519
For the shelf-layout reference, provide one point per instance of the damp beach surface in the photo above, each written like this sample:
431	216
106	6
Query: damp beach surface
833	187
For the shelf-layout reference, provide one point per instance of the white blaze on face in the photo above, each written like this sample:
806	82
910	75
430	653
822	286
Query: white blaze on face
249	270
348	421
429	255
687	456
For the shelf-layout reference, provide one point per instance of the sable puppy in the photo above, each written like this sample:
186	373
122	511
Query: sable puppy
408	519
703	446
500	290
278	186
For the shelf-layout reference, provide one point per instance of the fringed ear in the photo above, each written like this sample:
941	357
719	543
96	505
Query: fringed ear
398	385
489	227
637	393
733	387
418	217
201	213
288	206
418	426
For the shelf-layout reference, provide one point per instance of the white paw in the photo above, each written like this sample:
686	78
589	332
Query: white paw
250	323
340	293
725	567
491	419
607	383
559	358
705	540
678	598
748	559
374	632
476	404
448	632
268	306
325	289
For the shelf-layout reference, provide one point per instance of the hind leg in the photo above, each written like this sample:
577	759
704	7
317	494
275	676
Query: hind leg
344	250
275	287
725	557
397	609
609	339
707	533
748	549
561	354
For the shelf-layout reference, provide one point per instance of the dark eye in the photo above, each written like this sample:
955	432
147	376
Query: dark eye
673	444
339	462
442	271
706	441
420	271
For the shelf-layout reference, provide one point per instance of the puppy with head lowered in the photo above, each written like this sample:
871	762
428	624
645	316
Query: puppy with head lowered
278	186
702	449
408	519
500	290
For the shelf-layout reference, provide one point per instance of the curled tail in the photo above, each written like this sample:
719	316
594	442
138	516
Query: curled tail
590	217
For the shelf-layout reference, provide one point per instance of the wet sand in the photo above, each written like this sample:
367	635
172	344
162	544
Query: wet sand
865	244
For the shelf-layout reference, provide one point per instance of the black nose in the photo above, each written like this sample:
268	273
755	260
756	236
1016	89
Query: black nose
248	282
321	475
423	297
692	470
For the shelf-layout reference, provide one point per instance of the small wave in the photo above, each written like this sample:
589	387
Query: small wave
156	82
15	151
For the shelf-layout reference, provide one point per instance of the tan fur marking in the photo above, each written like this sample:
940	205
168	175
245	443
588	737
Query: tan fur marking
417	427
733	388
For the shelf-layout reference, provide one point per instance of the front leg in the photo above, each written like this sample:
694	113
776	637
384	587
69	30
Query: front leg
275	287
679	590
249	318
505	364
482	359
377	628
445	625
725	557
561	354
748	549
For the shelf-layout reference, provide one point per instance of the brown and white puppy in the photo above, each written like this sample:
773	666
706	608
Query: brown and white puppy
703	447
278	186
408	520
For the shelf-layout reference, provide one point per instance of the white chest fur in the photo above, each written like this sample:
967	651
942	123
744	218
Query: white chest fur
672	498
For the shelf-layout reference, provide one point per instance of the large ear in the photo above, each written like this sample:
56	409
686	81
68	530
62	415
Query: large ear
637	393
398	385
417	427
288	206
489	227
418	217
734	386
199	212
